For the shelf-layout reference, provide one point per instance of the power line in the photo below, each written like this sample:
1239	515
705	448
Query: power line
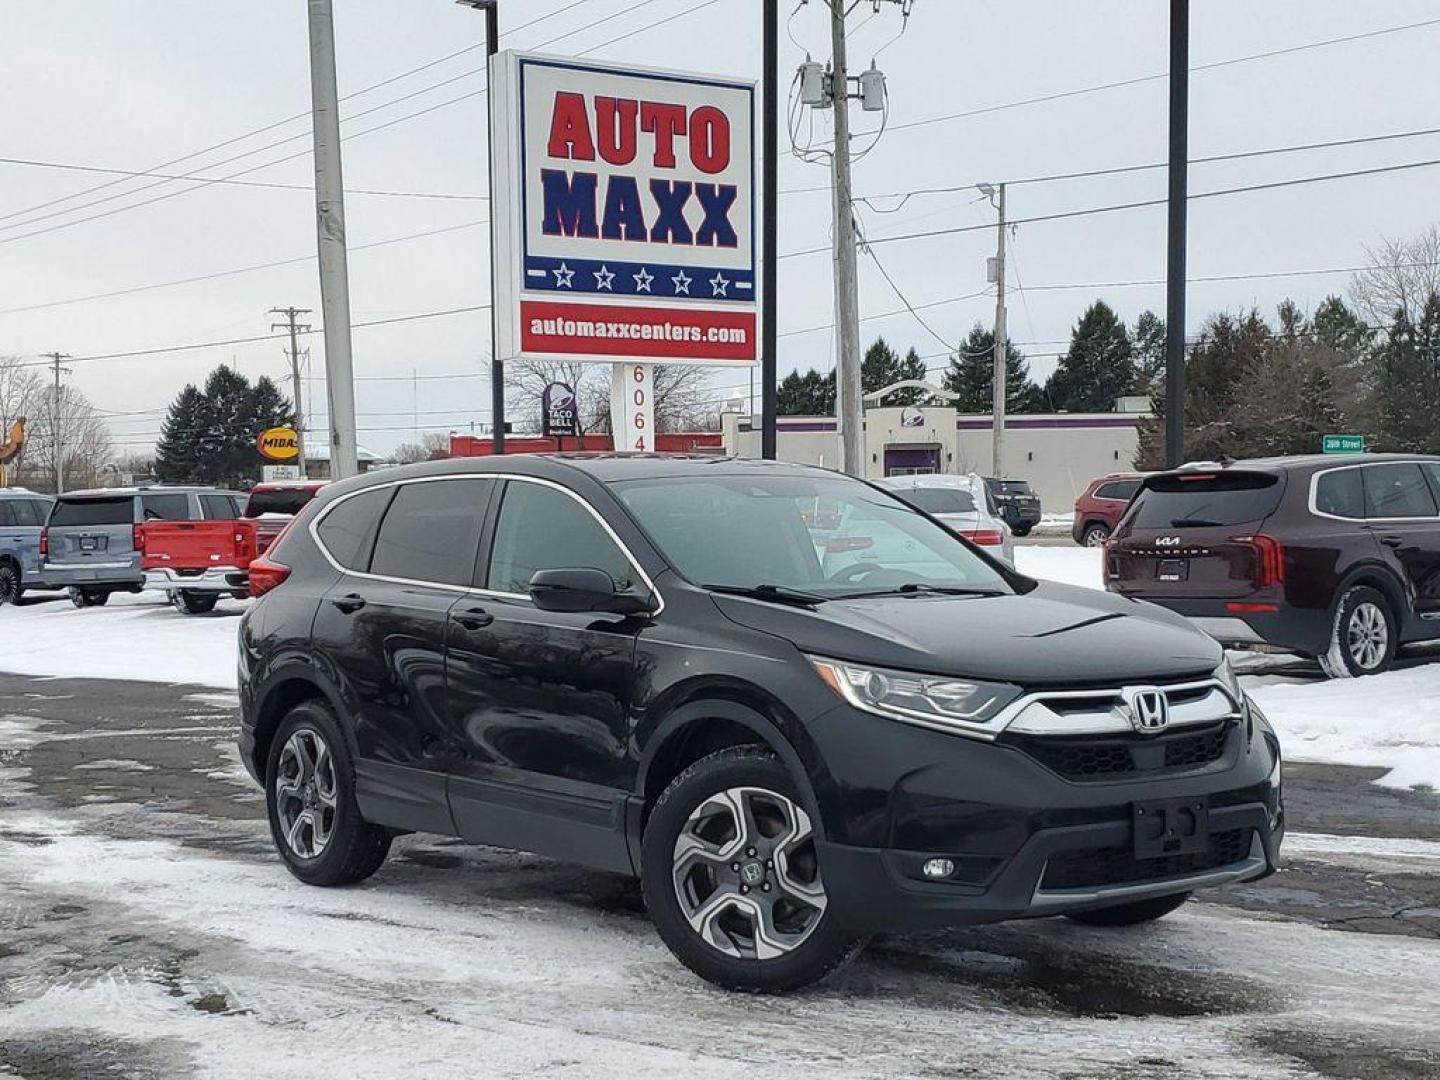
297	116
201	183
240	270
1136	205
1137	80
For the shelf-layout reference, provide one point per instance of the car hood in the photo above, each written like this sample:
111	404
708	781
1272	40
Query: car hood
1052	635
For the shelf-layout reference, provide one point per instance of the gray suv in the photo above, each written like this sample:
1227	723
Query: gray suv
22	515
90	542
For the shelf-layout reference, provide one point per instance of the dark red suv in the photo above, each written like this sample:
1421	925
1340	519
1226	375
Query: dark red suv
1336	558
1101	505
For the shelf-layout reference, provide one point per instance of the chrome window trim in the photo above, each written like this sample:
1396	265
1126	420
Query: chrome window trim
470	590
1315	490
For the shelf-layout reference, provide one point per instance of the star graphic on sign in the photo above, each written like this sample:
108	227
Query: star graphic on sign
603	277
682	283
719	284
643	280
563	276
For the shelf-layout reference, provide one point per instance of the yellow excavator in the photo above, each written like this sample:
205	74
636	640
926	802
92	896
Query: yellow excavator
10	449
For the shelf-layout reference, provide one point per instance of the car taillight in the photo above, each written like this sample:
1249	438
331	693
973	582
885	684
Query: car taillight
266	574
45	541
137	538
984	537
1269	559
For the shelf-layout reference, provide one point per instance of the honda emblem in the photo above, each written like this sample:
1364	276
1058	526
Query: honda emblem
1149	709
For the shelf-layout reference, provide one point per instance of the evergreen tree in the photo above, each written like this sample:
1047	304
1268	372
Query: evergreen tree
1409	382
882	366
970	376
810	394
268	407
179	458
1099	366
1148	340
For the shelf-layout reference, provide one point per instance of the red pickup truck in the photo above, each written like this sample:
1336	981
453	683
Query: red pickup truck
271	505
195	563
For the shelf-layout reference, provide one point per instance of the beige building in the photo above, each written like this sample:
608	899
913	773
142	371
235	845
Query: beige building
1058	453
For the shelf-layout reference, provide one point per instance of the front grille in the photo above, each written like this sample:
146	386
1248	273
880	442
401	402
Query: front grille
1092	867
1098	757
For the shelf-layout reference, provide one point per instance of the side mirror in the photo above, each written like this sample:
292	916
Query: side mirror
583	589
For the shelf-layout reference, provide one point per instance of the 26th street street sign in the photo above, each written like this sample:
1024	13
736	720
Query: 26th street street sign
1342	444
624	213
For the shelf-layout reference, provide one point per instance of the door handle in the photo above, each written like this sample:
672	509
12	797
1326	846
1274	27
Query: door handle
349	603
473	618
1392	541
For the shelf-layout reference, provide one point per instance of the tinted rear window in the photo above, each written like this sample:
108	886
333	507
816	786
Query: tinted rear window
1013	487
1341	493
432	532
286	501
94	512
1120	489
347	529
7	513
170	507
938	500
1195	500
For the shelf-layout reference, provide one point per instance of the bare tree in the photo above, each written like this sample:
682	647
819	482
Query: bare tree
82	452
432	445
684	395
20	388
1402	276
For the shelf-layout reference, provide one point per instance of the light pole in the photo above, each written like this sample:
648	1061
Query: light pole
491	8
1175	268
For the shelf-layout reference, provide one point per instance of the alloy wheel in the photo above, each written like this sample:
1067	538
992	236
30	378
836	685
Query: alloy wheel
1368	635
9	585
306	793
746	873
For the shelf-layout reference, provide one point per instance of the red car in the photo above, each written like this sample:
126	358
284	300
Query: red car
1100	507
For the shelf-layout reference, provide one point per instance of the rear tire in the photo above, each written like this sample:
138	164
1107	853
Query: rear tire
1021	530
765	927
192	603
83	598
9	584
1363	636
1132	914
1095	535
310	799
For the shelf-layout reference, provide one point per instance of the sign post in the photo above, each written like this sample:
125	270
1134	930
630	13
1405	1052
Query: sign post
1342	444
625	221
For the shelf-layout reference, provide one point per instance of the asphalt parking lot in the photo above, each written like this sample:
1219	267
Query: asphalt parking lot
147	930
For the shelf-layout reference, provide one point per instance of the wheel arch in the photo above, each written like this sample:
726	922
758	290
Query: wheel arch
1382	578
285	689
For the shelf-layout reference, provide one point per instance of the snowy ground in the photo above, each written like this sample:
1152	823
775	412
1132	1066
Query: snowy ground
148	931
1390	721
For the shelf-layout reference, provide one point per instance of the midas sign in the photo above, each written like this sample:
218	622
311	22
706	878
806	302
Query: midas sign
625	213
278	444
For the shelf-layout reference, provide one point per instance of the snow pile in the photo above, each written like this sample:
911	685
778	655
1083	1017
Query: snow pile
1391	721
1068	565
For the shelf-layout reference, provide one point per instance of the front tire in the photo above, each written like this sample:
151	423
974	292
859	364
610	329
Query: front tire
1363	637
310	796
1095	536
1132	914
731	876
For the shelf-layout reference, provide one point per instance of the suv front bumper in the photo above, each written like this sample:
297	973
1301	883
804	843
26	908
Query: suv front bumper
1026	841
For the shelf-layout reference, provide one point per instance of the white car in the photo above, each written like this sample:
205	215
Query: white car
961	502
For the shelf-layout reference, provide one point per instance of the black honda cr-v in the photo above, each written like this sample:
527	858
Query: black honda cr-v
797	708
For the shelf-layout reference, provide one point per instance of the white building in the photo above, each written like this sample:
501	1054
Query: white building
1058	453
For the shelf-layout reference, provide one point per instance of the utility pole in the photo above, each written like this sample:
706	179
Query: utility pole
291	314
1175	268
330	229
849	412
57	459
769	268
997	465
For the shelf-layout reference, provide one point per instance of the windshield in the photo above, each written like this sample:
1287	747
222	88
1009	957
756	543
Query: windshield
1205	499
938	500
823	536
1013	487
279	501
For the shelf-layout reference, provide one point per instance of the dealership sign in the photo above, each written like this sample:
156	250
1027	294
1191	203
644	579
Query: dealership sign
624	213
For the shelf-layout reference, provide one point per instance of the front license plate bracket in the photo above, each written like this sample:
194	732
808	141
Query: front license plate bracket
1171	827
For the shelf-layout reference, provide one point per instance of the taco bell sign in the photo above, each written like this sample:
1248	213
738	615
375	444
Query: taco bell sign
624	214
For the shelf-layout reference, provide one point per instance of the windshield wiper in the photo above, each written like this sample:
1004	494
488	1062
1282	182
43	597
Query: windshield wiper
915	588
1193	523
780	594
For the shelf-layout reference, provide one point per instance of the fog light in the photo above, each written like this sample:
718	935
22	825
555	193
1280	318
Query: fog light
938	868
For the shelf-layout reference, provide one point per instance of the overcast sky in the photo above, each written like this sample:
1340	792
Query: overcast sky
132	86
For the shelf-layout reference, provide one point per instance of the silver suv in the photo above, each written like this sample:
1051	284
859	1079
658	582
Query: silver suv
90	541
22	513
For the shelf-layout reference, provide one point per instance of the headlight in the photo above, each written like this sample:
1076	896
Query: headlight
1226	677
965	706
